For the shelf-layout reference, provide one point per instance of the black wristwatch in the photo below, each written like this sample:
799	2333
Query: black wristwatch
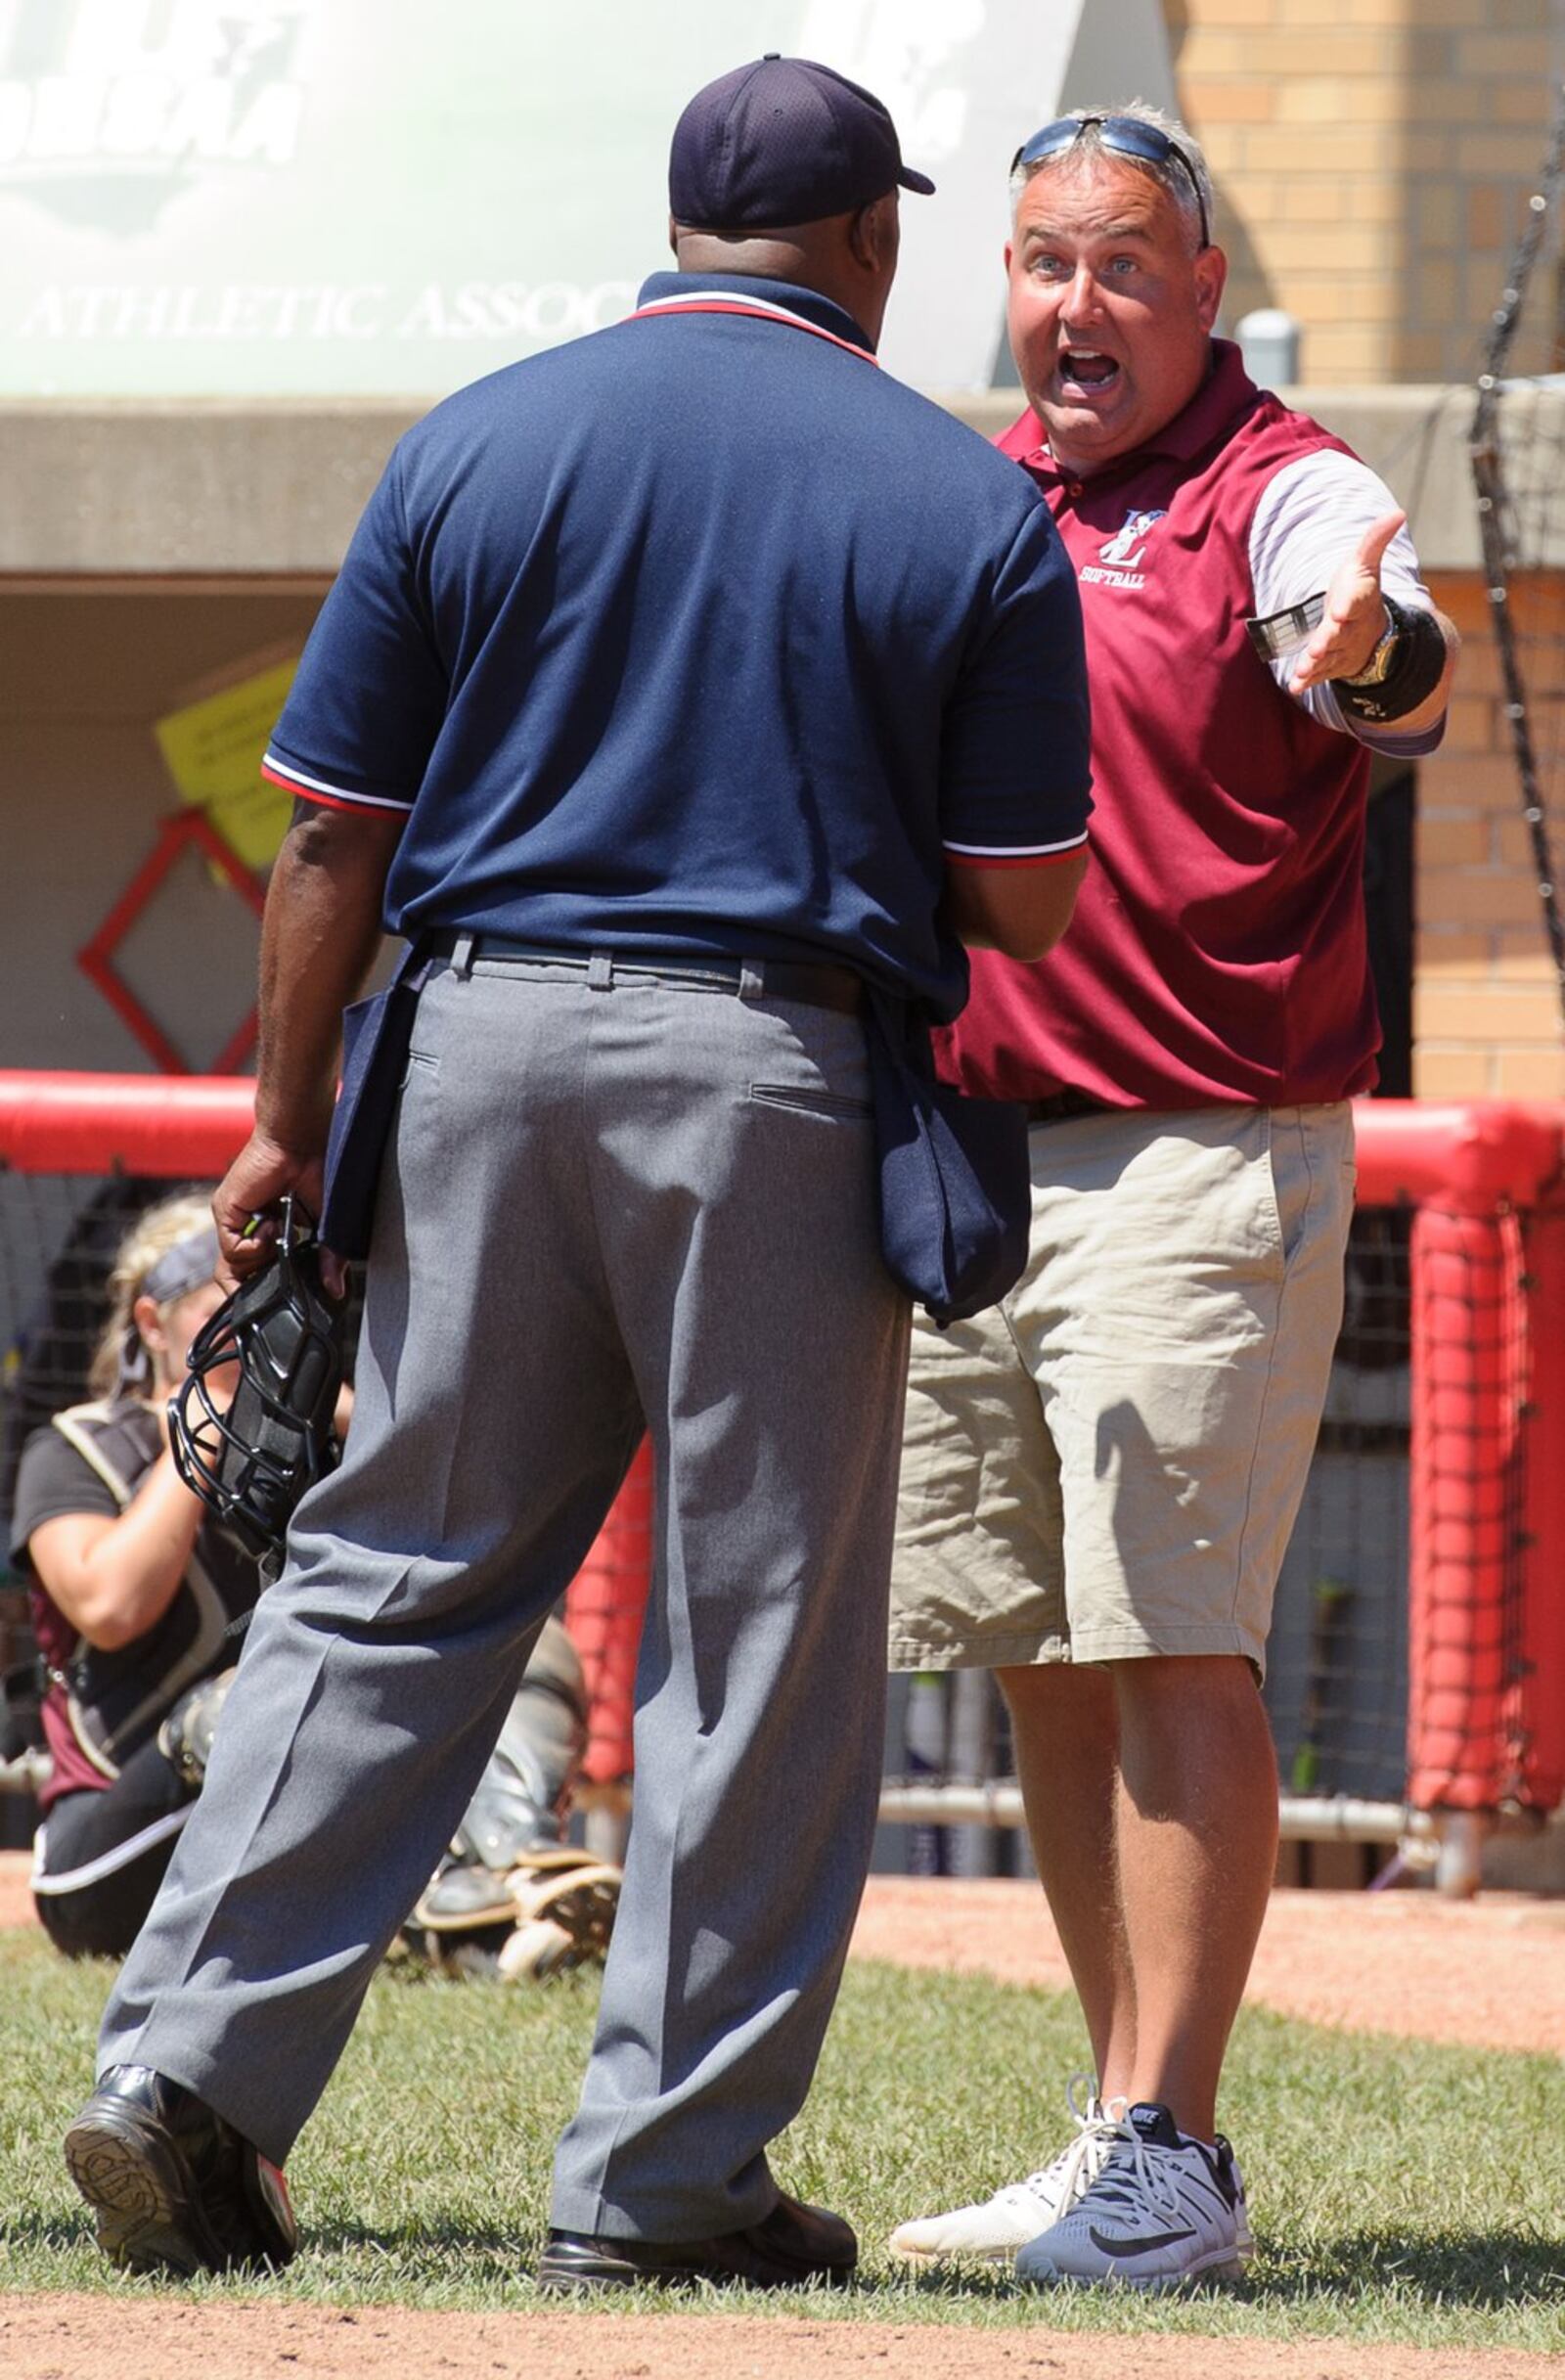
1404	670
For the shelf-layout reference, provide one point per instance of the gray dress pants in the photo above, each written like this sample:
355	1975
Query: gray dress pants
608	1199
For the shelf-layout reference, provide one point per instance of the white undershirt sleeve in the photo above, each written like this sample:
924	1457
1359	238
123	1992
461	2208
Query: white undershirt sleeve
1311	516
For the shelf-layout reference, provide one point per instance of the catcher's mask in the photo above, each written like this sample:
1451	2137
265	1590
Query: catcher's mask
250	1461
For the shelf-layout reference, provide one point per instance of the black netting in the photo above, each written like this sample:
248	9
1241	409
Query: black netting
59	1235
1336	1689
1336	1684
58	1239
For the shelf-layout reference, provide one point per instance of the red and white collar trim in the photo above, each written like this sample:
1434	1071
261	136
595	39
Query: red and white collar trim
713	301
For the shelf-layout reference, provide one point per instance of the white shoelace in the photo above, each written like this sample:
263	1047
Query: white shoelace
1095	2129
1160	2188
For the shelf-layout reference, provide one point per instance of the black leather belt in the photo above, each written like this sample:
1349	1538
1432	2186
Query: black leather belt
1062	1105
816	987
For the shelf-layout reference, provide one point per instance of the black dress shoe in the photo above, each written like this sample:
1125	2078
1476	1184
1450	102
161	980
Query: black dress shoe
174	2187
795	2246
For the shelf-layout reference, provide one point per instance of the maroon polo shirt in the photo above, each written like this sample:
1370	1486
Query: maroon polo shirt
1218	949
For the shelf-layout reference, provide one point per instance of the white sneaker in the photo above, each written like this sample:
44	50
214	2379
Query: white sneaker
994	2230
1163	2210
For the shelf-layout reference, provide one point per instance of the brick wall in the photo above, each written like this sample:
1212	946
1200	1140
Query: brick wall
1486	1003
1373	160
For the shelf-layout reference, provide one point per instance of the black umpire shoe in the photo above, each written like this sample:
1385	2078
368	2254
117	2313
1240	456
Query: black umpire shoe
793	2247
174	2187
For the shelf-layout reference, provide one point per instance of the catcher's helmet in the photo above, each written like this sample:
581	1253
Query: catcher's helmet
250	1461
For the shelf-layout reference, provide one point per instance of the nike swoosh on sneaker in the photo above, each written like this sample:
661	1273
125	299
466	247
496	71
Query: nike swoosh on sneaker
1138	2246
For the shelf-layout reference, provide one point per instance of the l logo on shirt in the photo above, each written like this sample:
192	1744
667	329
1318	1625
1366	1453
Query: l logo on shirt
1123	552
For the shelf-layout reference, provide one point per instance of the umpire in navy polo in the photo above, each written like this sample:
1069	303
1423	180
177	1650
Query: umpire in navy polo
677	683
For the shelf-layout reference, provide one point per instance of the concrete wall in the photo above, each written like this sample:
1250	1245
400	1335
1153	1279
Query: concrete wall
197	490
189	487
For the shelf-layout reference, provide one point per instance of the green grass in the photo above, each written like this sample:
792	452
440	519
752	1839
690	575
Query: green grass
1400	2192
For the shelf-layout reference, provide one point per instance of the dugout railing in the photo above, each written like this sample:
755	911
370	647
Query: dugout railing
1416	1685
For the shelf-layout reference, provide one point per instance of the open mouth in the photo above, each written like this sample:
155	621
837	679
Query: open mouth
1086	371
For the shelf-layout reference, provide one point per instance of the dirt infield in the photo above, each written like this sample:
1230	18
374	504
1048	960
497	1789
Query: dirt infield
1488	1973
64	2338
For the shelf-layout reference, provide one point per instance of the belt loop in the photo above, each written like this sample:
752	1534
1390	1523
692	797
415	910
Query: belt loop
462	951
601	972
752	979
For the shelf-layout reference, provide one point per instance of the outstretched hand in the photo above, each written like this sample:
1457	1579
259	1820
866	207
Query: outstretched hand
1354	618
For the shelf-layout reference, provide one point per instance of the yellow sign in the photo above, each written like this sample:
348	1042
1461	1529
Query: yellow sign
214	750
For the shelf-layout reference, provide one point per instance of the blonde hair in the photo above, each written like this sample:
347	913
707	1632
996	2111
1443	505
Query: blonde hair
160	1229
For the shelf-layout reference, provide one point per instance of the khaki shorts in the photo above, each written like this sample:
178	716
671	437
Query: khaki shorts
1109	1464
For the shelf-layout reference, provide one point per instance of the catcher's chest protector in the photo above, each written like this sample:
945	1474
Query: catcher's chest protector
116	1701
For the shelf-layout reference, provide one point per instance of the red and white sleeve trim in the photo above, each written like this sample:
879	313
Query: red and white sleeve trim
331	797
1028	855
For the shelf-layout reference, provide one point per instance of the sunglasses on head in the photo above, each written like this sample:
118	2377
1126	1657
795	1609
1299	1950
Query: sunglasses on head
1127	135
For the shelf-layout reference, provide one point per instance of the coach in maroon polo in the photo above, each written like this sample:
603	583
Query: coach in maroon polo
1099	1478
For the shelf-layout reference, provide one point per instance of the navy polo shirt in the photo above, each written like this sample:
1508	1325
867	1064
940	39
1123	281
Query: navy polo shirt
701	636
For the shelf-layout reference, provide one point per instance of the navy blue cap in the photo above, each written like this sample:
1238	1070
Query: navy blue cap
779	142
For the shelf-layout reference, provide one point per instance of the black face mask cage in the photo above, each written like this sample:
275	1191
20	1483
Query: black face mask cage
252	1461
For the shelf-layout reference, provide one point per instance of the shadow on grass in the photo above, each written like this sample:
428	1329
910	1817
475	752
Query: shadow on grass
480	2258
334	2257
1488	2270
63	2234
1482	2270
